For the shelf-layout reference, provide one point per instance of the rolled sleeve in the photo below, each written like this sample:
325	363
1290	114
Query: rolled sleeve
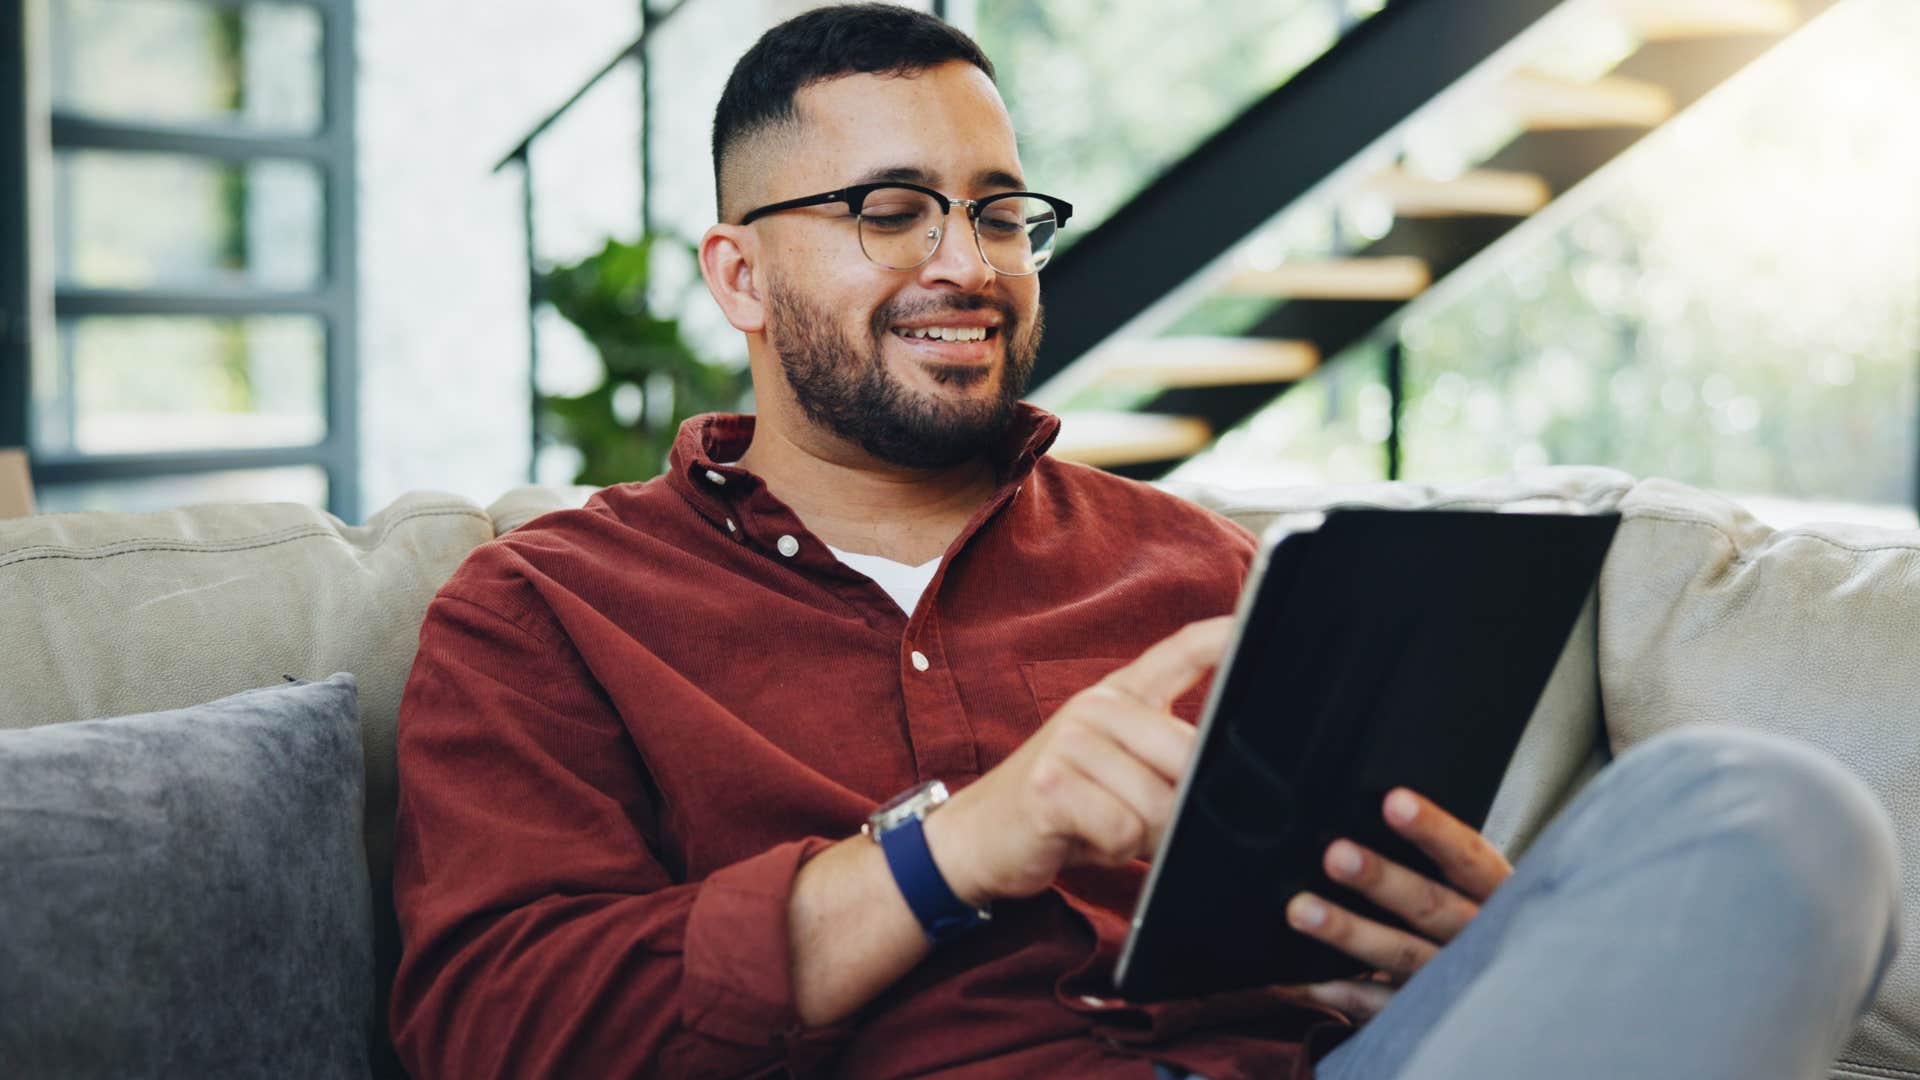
738	983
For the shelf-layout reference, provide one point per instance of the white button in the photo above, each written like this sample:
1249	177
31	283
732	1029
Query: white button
1098	1003
716	477
731	527
920	661
788	546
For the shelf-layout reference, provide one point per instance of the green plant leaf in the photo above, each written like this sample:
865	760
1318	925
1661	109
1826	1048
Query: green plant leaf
606	296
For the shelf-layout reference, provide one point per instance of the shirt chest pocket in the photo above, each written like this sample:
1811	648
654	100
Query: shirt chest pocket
1052	682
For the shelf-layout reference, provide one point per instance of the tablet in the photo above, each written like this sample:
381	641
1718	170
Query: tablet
1382	648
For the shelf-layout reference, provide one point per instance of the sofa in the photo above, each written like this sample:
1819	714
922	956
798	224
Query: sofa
1702	615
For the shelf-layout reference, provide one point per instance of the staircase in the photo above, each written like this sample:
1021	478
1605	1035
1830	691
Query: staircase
1426	135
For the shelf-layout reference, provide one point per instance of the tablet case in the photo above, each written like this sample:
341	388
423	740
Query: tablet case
1385	648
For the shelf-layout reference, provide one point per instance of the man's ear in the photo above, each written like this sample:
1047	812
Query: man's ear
727	256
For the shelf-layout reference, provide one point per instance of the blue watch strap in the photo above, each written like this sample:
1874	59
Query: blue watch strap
942	915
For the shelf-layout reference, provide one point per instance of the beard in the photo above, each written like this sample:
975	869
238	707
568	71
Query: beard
843	385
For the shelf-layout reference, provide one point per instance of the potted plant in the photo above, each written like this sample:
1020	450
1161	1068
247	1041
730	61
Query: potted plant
652	378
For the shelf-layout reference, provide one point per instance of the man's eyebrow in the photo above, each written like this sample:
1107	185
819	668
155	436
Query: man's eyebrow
994	179
999	179
904	174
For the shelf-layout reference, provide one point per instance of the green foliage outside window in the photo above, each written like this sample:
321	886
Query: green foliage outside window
1594	348
1736	303
1105	94
1739	308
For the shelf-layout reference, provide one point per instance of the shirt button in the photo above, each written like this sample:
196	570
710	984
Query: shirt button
1093	1002
920	661
788	546
731	527
716	478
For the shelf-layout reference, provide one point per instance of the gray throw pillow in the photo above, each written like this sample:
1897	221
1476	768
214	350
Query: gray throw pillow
184	893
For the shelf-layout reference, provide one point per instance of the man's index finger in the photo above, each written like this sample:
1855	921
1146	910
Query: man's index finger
1174	663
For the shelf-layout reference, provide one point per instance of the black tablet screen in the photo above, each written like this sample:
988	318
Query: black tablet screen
1386	648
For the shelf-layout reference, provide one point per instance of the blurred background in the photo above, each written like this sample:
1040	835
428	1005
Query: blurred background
331	252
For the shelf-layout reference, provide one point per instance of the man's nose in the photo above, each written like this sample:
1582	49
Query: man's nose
957	258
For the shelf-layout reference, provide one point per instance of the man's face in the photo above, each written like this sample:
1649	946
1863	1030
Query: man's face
850	335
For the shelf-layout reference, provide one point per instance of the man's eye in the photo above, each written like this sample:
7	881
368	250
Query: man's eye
890	221
1002	225
892	212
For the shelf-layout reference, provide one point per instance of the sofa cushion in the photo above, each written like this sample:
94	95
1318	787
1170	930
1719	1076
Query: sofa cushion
105	614
1710	617
1562	745
522	504
108	614
185	892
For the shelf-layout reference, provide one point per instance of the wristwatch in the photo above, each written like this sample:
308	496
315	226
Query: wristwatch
896	827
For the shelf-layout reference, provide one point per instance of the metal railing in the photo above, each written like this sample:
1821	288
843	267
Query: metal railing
522	154
651	20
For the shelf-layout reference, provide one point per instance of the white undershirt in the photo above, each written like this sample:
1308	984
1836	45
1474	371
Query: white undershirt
902	582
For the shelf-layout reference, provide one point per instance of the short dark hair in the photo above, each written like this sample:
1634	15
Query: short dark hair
827	43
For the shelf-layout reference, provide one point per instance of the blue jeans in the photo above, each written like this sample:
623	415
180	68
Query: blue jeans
1717	903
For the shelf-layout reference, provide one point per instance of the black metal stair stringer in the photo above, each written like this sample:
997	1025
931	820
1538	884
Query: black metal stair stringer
1374	78
1689	69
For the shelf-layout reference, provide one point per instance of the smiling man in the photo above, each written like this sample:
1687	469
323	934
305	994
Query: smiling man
837	749
898	369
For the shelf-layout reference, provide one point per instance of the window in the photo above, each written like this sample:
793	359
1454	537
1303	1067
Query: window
1731	304
200	198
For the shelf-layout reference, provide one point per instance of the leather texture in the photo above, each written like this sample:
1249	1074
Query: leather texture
1710	617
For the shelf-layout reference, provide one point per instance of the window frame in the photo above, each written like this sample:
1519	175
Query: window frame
16	304
333	301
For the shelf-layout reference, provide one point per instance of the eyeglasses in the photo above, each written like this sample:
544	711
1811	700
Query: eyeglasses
900	225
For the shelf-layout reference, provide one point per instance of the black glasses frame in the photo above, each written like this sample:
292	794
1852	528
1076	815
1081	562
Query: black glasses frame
856	197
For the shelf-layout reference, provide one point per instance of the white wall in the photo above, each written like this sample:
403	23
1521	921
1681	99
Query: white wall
445	90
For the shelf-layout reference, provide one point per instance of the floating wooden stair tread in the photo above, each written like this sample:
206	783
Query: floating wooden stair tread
1170	362
1674	20
1390	277
1107	439
1546	103
1482	191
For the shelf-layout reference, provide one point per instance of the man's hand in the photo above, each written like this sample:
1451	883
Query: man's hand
1473	866
1094	785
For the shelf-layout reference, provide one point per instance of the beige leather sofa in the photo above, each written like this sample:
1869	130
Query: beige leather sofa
1703	615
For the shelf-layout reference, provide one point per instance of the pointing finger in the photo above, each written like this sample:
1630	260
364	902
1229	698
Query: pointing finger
1173	664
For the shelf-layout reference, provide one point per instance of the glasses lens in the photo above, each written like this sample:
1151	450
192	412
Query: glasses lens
899	228
1016	234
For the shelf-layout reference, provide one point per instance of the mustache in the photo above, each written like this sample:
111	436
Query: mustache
898	311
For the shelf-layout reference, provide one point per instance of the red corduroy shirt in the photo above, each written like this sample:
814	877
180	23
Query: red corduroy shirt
630	724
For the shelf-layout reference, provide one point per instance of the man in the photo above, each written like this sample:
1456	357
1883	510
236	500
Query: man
641	739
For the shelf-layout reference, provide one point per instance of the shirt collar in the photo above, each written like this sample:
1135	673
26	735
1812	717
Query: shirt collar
707	445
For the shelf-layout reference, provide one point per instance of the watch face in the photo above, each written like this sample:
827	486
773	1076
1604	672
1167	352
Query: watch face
911	803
